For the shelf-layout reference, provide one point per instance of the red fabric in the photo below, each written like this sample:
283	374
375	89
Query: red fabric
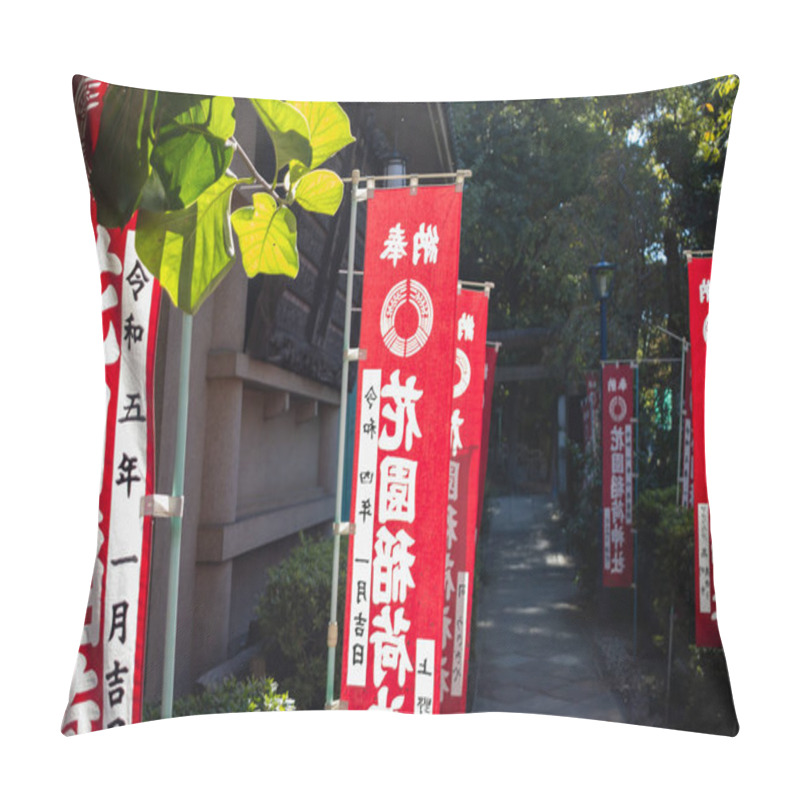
491	366
465	466
706	629
107	687
618	447
408	331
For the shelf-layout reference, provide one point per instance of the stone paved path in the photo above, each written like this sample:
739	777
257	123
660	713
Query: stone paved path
532	650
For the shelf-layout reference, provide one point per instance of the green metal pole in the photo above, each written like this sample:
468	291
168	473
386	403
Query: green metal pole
168	679
332	624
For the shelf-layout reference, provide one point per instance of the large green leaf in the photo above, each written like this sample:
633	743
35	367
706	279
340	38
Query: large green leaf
288	130
318	190
191	151
267	237
120	163
329	128
190	250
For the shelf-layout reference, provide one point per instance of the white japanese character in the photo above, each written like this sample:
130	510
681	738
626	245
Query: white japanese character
449	586
398	490
87	711
456	422
395	245
403	414
426	241
389	639
466	327
447	633
617	536
705	285
391	567
451	526
617	562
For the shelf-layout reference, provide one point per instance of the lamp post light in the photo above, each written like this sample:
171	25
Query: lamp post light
601	276
395	165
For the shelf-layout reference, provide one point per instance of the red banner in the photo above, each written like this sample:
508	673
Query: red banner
466	425
492	351
706	630
107	684
395	604
687	452
618	468
590	408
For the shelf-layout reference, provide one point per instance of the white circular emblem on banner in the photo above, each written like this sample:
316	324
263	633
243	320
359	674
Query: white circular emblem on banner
617	408
464	373
416	295
705	329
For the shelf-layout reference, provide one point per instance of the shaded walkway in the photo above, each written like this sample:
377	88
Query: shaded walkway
532	651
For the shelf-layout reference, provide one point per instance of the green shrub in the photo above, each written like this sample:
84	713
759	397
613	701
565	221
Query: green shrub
230	696
666	563
582	524
292	618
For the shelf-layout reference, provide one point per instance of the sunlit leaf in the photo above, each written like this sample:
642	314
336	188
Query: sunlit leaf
329	128
267	237
319	190
191	151
288	130
190	250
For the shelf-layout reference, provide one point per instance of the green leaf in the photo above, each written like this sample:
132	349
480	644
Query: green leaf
319	190
120	163
329	128
267	237
288	130
191	152
190	250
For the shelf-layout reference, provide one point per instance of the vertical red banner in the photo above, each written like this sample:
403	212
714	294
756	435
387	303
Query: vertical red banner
590	407
687	451
706	629
492	351
395	604
466	425
107	683
618	468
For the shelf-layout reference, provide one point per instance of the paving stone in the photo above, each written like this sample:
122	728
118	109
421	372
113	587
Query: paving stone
532	652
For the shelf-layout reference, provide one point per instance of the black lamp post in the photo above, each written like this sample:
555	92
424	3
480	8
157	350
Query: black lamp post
601	276
395	165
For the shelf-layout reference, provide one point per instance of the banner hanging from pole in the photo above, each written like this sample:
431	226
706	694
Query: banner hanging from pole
107	684
618	473
590	408
687	453
392	646
466	424
492	351
706	629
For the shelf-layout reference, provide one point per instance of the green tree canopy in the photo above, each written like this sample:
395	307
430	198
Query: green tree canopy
168	157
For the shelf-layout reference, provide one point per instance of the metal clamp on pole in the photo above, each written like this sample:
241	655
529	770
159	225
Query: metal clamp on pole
356	354
343	529
333	634
161	505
